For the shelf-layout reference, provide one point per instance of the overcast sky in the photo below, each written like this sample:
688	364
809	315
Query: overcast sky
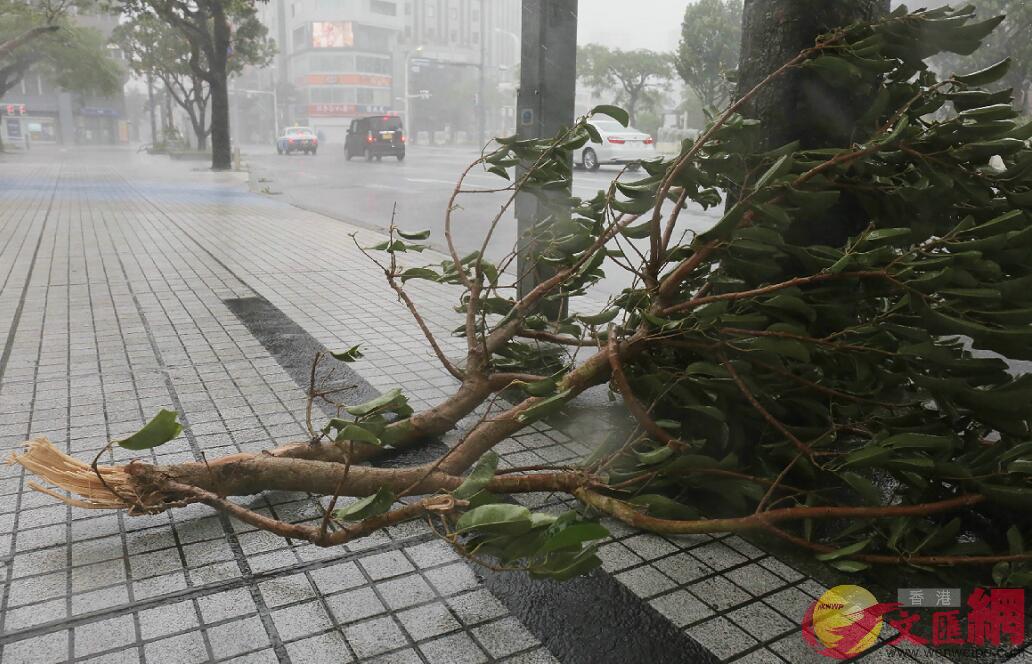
653	24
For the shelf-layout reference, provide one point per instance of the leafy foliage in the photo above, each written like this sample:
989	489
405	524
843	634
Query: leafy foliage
880	372
71	56
711	37
633	75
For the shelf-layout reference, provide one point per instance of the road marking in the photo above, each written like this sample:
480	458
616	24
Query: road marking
431	181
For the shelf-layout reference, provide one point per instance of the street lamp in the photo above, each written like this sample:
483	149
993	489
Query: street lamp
275	104
405	84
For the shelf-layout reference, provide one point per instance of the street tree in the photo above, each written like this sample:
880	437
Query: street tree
711	36
156	51
858	401
1012	39
38	36
221	38
635	76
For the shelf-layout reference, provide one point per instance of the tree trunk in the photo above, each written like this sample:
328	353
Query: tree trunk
221	152
799	106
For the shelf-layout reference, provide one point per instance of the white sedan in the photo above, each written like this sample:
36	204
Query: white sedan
620	145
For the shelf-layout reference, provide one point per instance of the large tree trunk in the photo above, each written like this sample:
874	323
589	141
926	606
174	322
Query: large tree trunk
221	156
800	106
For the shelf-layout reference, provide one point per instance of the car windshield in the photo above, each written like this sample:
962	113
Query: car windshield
385	124
294	131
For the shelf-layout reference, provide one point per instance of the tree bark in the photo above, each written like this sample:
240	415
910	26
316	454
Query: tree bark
221	151
800	106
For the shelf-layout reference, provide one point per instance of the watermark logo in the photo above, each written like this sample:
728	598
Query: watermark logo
845	621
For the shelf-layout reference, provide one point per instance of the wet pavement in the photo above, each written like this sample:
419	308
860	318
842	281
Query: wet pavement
129	283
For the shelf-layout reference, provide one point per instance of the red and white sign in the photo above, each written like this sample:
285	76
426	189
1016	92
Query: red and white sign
368	80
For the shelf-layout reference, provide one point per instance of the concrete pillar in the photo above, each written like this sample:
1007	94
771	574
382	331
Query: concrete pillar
545	104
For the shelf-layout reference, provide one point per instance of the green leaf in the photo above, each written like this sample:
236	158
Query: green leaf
349	355
844	551
545	407
1012	496
664	508
919	441
499	171
351	431
385	402
880	235
723	228
867	489
849	566
864	457
780	167
539	388
599	319
614	112
414	235
655	456
570	533
637	232
419	273
161	429
562	566
369	506
479	478
990	74
497	517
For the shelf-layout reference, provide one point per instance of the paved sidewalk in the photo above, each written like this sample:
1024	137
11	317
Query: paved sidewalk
127	282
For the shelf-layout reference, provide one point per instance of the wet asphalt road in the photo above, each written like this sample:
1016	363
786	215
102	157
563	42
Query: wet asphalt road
365	193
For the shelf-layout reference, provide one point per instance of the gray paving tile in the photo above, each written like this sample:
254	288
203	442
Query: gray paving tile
385	565
405	591
476	607
328	647
504	637
237	636
103	635
721	637
375	636
681	608
38	650
301	620
229	604
453	649
355	605
167	619
427	621
186	648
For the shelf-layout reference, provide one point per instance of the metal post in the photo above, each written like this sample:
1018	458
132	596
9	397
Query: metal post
150	101
275	112
408	100
545	104
481	116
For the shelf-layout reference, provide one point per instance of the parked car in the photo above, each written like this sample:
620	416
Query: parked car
375	137
620	145
298	139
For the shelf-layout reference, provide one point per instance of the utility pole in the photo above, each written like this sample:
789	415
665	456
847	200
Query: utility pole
545	104
481	115
150	104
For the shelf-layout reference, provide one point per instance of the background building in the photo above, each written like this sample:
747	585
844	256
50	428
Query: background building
465	54
335	62
443	63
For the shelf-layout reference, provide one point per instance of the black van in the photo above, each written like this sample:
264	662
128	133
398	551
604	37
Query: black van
375	136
